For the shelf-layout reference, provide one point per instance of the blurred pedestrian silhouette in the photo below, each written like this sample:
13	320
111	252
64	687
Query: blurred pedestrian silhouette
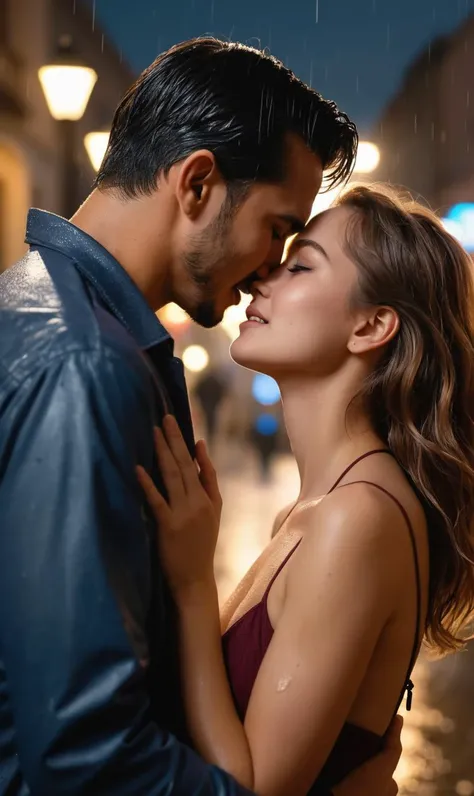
210	391
264	437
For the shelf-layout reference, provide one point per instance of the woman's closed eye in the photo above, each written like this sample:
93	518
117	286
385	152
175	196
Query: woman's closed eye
297	267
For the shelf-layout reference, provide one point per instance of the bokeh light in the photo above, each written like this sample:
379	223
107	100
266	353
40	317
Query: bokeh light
174	315
234	316
459	222
195	358
266	424
368	158
265	390
96	145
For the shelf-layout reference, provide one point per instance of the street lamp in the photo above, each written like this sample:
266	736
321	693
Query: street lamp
96	144
67	84
367	160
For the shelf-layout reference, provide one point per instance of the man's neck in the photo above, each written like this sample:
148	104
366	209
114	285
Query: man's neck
120	226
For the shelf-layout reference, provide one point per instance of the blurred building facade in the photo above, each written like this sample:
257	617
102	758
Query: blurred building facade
426	134
30	166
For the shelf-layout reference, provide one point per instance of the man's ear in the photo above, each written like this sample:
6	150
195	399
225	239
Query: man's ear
196	182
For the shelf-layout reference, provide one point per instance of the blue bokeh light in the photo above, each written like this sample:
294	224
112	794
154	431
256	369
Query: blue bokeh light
265	390
266	425
460	223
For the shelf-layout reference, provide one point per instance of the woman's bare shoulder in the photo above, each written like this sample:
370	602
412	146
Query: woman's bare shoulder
280	518
362	523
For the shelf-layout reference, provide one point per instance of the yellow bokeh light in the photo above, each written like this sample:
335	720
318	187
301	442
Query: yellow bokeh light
368	157
234	316
173	314
195	358
96	145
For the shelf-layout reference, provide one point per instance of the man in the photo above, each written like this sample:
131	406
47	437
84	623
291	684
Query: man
215	156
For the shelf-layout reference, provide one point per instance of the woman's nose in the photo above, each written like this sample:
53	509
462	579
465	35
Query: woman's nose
263	287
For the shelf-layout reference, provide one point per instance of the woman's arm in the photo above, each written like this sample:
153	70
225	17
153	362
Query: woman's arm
340	594
341	588
215	728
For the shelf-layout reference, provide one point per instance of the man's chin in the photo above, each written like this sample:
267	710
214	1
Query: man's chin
207	315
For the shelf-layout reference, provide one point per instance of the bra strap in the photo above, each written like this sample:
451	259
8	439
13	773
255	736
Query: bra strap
285	561
408	684
356	461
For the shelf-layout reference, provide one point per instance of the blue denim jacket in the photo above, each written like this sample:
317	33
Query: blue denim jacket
89	687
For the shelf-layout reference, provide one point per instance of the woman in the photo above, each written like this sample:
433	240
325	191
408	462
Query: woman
368	328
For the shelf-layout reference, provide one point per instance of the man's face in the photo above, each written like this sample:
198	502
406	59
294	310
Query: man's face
251	238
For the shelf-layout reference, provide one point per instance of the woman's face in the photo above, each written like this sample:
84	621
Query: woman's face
306	306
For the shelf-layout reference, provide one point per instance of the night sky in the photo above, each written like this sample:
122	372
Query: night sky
352	51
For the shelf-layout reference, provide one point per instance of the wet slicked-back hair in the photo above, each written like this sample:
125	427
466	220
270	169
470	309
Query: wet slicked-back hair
235	101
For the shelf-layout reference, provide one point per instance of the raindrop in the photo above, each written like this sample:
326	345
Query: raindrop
311	74
102	41
415	123
74	2
317	11
212	11
374	6
93	15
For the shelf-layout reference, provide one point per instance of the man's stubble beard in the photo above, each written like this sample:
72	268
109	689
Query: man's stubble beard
207	256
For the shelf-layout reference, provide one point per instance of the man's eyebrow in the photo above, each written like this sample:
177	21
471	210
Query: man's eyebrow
301	243
295	223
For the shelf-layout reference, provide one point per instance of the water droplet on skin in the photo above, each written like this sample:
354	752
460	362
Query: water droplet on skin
283	684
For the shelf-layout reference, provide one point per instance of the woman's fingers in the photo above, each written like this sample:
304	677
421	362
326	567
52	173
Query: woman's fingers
207	474
169	468
179	450
155	499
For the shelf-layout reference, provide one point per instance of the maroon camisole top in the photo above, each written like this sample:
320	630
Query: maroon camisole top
246	642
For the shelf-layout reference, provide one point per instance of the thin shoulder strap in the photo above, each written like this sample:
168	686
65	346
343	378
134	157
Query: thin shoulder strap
356	461
285	561
408	686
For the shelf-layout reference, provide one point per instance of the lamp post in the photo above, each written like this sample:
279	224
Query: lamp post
67	84
96	144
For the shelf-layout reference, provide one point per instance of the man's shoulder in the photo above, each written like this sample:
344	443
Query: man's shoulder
47	315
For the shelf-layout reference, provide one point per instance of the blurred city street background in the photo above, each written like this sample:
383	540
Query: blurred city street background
405	72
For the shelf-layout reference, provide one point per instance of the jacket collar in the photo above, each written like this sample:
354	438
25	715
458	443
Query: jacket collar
102	270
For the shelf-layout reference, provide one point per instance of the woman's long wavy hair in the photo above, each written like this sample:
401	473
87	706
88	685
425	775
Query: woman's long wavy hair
421	394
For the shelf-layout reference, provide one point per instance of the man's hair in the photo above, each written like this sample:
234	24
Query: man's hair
235	101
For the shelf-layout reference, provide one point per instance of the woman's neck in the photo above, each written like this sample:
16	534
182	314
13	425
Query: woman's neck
325	437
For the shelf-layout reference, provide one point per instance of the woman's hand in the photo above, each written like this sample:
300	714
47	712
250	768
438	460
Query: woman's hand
188	521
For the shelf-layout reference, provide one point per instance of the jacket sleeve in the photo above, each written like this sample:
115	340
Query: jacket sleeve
75	584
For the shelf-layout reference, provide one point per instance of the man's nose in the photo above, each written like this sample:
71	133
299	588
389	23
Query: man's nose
261	274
